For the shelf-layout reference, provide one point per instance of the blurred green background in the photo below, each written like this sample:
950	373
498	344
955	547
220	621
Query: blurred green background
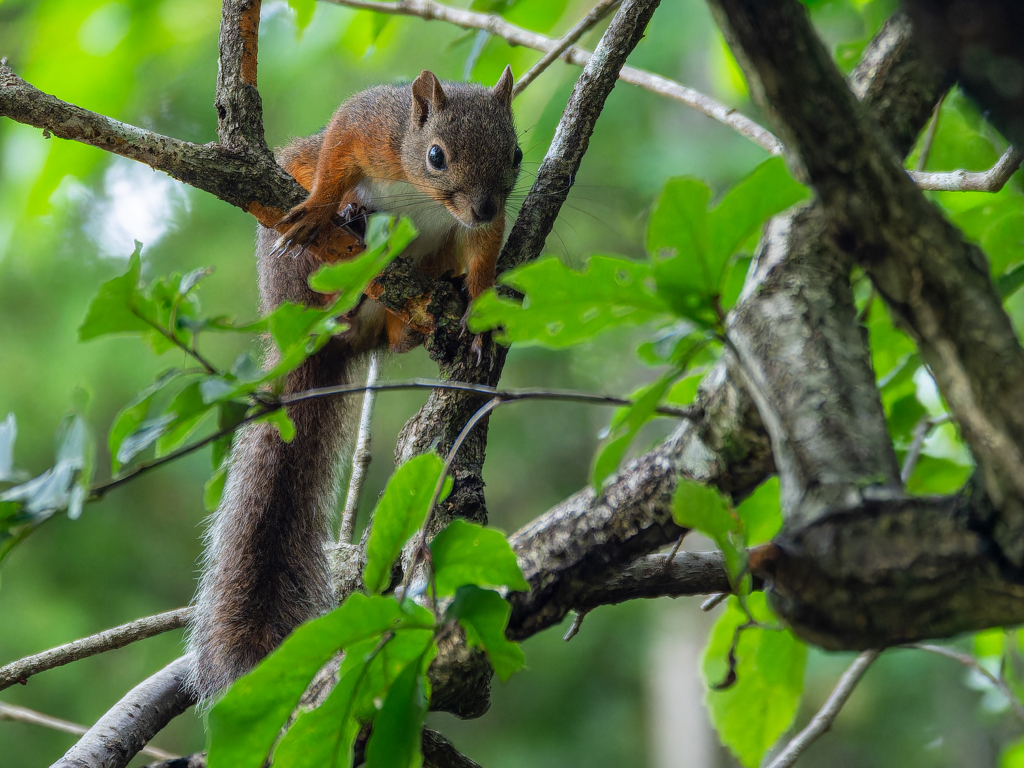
624	691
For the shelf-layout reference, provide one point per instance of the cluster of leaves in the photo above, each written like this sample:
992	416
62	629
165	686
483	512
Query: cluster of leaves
387	644
184	400
753	667
692	276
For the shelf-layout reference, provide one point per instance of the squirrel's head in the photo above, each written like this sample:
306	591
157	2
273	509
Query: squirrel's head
461	146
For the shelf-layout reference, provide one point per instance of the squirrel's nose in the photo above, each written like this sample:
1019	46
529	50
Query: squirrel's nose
484	210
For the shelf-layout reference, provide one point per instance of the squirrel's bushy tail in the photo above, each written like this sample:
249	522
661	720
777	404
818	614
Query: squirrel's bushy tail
265	570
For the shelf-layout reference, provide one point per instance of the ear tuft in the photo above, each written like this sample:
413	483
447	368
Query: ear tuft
503	89
427	94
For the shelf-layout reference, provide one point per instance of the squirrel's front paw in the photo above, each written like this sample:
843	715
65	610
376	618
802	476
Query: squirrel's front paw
298	228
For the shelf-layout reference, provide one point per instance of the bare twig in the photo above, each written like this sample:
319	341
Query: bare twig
250	181
505	395
971	663
585	24
992	180
929	134
361	455
822	721
497	26
125	729
921	430
31	717
108	640
713	602
574	628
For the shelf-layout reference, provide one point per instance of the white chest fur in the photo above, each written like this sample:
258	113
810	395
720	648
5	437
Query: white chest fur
432	219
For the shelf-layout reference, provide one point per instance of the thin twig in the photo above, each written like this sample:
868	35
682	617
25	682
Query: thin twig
584	25
361	455
929	134
506	395
971	663
497	26
108	640
921	430
713	602
574	628
31	717
991	180
822	721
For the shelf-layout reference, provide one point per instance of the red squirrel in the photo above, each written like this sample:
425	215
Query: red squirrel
446	156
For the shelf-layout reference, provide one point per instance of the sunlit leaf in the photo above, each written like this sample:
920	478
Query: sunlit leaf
8	434
189	412
703	508
752	713
118	304
564	307
761	512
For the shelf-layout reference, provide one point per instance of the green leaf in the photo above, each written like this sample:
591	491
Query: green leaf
130	418
399	514
466	553
625	425
1013	755
705	509
395	739
768	190
384	241
189	412
484	616
1009	282
937	476
756	710
325	736
280	419
564	307
303	12
246	722
990	643
761	513
903	416
117	306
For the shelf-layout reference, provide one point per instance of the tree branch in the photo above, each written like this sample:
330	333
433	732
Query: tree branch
108	640
822	721
31	717
935	283
122	732
585	24
992	180
239	108
497	26
252	182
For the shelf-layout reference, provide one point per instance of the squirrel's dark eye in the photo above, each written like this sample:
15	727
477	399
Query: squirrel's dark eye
517	157
436	158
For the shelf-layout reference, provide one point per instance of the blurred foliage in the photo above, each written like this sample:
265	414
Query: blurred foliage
69	215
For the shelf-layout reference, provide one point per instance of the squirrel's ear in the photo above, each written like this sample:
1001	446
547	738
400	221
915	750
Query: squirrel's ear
427	94
503	89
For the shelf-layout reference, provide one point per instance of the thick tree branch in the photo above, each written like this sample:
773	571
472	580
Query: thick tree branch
239	108
122	732
108	640
250	181
936	284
